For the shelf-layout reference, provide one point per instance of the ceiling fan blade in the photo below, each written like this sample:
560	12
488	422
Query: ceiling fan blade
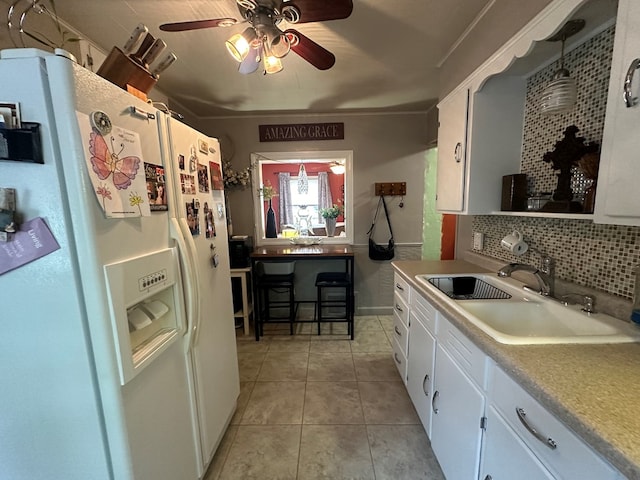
318	56
321	10
197	24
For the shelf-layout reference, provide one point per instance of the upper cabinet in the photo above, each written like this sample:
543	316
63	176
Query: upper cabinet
501	128
618	195
452	146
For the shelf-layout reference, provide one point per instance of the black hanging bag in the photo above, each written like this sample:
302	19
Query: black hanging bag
381	252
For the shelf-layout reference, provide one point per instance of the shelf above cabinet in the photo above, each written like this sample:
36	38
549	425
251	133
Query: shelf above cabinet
574	216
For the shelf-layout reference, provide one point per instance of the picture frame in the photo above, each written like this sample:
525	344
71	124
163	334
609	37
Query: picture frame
203	146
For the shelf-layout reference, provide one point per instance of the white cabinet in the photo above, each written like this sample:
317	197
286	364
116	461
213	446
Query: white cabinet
618	195
400	343
481	122
458	408
505	456
557	448
422	350
452	146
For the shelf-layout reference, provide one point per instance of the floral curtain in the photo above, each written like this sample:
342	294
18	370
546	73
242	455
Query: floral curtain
284	199
324	194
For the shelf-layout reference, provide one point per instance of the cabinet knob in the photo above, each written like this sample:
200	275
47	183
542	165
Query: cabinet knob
399	287
399	308
629	99
397	331
397	359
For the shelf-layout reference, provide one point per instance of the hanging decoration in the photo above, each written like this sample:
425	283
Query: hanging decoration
303	181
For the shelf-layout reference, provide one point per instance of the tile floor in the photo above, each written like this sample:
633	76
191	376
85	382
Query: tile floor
323	407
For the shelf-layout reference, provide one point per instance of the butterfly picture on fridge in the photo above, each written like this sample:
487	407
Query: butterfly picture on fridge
115	164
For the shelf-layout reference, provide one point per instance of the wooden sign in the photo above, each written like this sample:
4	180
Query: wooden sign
301	132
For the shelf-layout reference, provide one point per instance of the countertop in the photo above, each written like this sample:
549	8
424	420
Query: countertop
593	389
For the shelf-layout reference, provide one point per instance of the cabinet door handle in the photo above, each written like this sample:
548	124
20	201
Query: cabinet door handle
488	477
457	152
548	441
397	359
399	308
436	394
399	287
629	99
397	331
424	385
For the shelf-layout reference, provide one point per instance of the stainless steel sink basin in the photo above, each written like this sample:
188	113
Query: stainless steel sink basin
525	318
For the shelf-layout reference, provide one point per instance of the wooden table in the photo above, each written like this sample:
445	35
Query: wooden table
289	253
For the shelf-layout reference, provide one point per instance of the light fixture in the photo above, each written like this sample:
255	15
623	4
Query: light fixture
561	94
240	44
264	36
337	168
303	180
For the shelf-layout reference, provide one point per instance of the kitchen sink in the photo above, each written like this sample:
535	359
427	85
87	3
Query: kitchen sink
522	318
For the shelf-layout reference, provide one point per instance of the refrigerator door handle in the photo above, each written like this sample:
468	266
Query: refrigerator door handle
190	279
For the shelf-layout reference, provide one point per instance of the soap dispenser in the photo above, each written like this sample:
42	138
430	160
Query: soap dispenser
635	312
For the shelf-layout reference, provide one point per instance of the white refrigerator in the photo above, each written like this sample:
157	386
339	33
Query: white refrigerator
195	165
107	359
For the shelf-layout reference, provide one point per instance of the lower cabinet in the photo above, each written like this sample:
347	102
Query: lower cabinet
481	423
505	456
458	408
422	351
557	448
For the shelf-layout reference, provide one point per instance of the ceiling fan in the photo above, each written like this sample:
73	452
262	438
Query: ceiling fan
263	42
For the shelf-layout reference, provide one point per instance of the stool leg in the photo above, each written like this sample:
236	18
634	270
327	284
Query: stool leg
257	316
292	310
319	307
351	308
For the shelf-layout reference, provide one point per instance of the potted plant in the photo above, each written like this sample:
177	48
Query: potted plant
330	215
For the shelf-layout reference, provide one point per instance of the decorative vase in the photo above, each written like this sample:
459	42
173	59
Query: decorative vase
271	231
330	225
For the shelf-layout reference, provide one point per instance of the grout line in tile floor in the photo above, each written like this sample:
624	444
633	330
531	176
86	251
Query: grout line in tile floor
384	441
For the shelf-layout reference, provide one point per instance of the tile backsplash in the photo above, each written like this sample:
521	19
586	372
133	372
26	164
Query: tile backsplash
596	256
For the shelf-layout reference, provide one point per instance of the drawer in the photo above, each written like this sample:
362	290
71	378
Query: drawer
401	287
424	311
469	357
571	458
401	308
400	360
401	333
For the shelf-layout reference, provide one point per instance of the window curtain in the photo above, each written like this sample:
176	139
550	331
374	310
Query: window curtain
324	194
284	199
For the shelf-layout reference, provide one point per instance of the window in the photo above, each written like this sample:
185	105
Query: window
301	216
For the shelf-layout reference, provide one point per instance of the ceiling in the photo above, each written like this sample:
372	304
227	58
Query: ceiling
387	54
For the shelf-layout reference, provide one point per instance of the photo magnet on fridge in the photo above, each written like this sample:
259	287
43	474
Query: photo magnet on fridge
192	218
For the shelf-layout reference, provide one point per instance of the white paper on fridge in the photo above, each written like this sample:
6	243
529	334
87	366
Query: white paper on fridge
116	167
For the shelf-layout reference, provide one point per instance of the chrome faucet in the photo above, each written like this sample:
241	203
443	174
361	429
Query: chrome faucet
588	302
544	275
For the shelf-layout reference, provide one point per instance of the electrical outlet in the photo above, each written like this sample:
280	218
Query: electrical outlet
478	240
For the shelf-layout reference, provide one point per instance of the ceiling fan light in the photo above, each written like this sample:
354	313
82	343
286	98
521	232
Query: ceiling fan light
272	64
240	44
280	46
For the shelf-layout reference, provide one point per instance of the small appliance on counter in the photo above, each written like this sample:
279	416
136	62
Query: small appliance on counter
240	248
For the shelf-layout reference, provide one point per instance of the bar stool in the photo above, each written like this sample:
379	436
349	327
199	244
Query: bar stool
335	280
281	281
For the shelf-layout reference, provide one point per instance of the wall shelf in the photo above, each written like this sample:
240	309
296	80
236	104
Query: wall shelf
576	216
